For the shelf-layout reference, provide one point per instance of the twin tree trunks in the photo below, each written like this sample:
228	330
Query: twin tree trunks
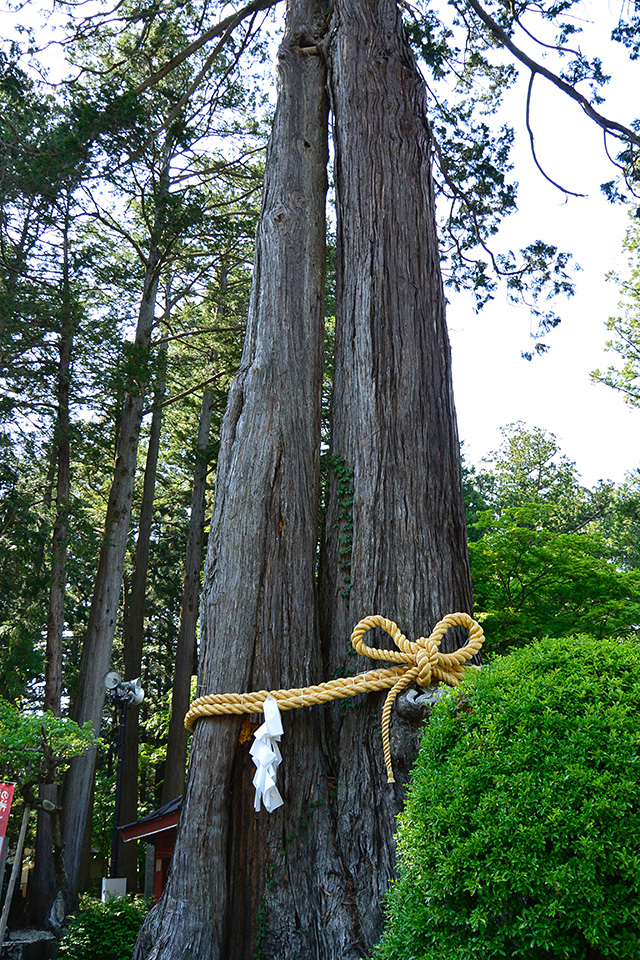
307	881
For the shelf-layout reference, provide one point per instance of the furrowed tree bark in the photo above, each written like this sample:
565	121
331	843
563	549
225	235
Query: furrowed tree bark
134	635
399	548
394	539
176	760
98	643
239	881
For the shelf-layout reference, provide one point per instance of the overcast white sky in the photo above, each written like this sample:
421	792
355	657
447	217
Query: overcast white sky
493	385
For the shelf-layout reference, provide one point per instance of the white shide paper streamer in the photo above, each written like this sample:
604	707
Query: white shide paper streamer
266	755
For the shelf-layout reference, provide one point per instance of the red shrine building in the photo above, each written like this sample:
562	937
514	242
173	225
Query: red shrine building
159	830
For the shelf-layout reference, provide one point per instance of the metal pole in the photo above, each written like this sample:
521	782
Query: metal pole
122	729
17	863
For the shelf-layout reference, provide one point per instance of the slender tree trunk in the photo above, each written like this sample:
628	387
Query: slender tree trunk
235	872
43	888
98	644
54	889
134	637
177	741
55	618
394	538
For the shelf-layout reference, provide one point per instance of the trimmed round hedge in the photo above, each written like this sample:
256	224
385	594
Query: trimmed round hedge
520	837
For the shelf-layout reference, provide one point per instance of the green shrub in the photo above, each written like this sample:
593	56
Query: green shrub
520	836
104	931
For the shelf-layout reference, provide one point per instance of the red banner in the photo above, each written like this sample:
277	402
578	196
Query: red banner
6	796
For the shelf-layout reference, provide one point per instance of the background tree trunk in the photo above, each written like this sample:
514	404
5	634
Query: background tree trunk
259	611
98	643
394	537
43	888
134	636
185	649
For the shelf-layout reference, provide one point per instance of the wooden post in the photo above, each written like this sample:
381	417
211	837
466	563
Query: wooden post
17	862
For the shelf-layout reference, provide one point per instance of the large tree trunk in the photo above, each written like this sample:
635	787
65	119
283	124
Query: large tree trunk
236	872
397	512
98	643
399	548
185	649
133	624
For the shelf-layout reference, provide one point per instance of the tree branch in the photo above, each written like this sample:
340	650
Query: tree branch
185	393
611	126
193	333
533	146
193	86
225	27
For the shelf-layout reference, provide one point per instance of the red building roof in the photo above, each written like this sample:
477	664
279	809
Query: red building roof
160	820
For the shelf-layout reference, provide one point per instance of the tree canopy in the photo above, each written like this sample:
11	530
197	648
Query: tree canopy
549	557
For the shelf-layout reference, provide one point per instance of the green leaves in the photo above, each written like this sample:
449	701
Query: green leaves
515	842
625	330
344	519
106	930
36	748
628	31
531	581
548	556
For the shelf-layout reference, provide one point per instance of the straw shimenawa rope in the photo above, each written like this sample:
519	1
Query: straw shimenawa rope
422	663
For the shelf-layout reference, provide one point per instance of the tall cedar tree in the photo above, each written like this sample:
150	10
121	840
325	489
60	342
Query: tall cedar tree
98	642
176	758
44	887
259	611
133	636
394	435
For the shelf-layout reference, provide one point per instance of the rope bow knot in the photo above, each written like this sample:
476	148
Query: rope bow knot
427	661
425	664
419	661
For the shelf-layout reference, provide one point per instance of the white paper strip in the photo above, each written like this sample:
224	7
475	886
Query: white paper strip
266	755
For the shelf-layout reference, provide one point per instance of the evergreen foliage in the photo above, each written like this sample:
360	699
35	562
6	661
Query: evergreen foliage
472	169
22	577
517	840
